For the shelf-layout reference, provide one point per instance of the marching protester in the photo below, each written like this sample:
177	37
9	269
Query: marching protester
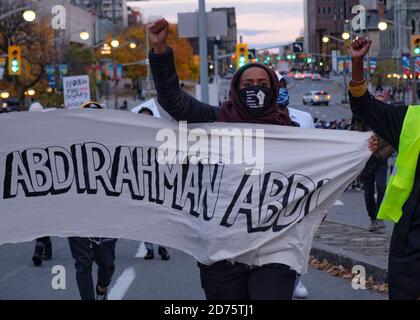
162	251
252	99
374	177
87	250
400	127
43	245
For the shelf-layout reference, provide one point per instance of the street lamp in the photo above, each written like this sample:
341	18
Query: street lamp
325	39
345	35
133	45
382	25
84	35
5	95
115	43
31	92
29	15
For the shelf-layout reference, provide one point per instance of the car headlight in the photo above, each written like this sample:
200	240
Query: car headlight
316	97
329	97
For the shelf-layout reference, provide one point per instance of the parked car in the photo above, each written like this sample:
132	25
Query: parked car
316	77
307	75
316	98
299	76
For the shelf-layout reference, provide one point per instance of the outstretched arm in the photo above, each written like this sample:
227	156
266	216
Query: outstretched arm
384	119
179	104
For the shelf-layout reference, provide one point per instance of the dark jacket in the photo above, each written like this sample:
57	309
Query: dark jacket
179	104
404	257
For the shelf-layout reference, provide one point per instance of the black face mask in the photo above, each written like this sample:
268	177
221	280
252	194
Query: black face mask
256	99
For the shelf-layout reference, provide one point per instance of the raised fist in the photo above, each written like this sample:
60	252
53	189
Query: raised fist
158	34
360	47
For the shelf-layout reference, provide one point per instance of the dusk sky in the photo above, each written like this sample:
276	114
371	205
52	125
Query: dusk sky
262	23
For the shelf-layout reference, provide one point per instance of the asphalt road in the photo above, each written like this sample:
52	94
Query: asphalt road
135	278
335	111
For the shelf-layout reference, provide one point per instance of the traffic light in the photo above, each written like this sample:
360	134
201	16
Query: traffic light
241	55
415	45
14	61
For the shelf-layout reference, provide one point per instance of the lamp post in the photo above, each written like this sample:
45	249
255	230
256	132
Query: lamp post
346	36
383	26
28	14
115	44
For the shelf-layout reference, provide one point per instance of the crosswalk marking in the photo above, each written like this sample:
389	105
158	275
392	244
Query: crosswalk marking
122	284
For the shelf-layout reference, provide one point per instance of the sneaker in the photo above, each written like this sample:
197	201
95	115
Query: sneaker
149	255
381	224
163	253
47	255
374	226
300	291
37	257
101	296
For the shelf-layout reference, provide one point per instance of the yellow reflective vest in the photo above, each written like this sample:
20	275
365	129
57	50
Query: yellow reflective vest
402	180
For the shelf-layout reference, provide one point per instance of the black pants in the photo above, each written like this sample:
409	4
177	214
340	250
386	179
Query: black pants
374	178
85	252
149	246
226	281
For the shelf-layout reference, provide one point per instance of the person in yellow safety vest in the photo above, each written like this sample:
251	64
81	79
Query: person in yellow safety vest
400	127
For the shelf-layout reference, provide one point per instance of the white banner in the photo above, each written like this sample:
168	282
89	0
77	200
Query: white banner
76	91
101	173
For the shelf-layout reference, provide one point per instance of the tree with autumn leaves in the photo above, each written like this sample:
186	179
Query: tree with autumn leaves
187	66
37	49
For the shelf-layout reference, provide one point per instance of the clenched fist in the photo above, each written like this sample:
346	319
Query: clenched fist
158	34
360	47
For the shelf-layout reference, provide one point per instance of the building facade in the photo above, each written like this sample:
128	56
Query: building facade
325	17
114	10
395	41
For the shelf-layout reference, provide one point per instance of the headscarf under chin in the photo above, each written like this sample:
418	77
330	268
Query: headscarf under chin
233	110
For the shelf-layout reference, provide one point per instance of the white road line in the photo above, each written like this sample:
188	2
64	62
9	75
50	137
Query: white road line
324	115
122	284
339	203
317	112
141	251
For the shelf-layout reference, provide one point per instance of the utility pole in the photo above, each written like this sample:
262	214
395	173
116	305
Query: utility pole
114	71
202	29
216	60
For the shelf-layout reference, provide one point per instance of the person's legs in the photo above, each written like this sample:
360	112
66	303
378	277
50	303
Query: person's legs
224	281
42	250
105	257
380	181
272	282
150	251
163	253
82	254
369	192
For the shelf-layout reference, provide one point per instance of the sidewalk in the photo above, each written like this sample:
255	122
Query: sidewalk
349	246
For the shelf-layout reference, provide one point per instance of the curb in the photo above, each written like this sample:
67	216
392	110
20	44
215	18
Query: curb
374	268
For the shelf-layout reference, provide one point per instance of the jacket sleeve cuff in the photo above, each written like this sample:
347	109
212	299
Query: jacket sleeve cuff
358	90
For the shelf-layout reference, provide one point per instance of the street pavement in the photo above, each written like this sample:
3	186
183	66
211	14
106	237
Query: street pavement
178	278
335	111
136	278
